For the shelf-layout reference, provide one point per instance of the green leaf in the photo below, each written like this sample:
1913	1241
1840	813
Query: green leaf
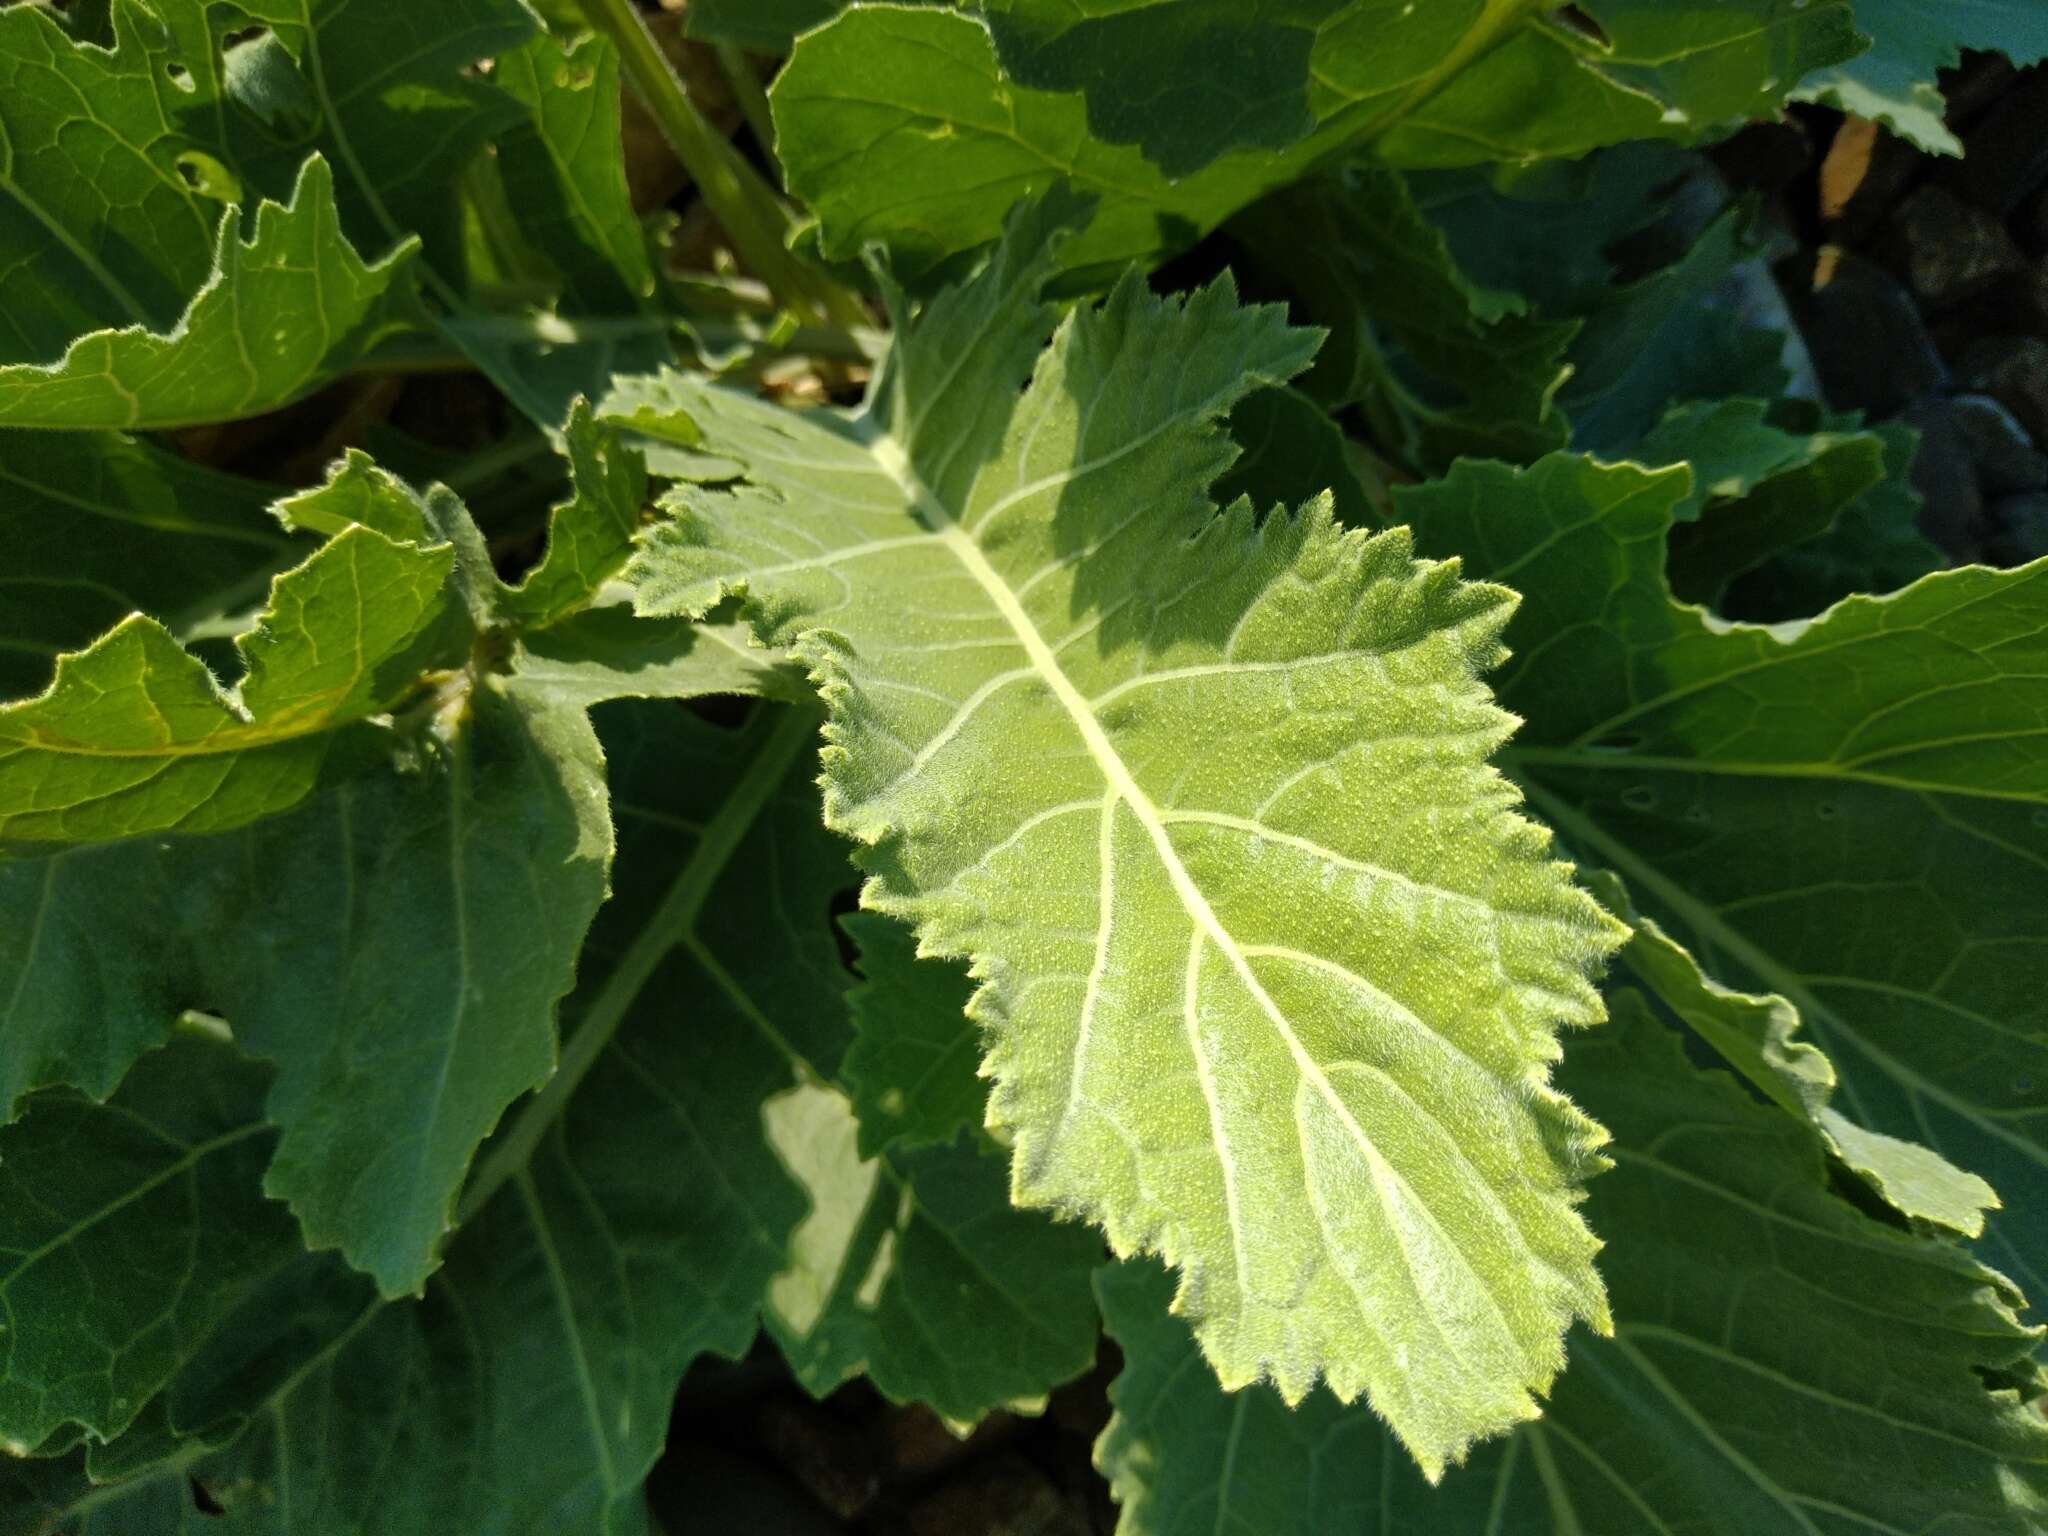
1667	338
279	316
1781	1362
1441	367
1850	813
396	946
99	225
1758	1037
1734	447
391	99
134	736
115	1267
915	1269
611	653
565	171
952	119
1757	488
1875	545
95	526
1161	775
1181	1455
590	535
768	25
1292	453
535	1377
911	1069
1897	82
1546	231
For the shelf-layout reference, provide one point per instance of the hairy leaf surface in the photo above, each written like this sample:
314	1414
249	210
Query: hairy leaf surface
1850	813
1205	800
1781	1363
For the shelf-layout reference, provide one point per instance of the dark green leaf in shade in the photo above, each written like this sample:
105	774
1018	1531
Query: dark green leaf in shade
99	225
1440	366
911	1070
281	314
1668	338
1757	489
619	1225
915	1269
1759	1038
564	171
612	653
396	946
388	94
129	1231
1875	545
591	534
1293	452
1545	231
1782	1363
95	526
1850	813
768	25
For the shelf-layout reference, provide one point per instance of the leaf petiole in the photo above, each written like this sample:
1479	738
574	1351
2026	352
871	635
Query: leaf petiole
754	218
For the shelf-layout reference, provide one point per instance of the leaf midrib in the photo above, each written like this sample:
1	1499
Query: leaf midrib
894	462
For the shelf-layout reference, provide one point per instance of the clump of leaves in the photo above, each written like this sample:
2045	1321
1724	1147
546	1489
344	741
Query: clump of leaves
1497	1042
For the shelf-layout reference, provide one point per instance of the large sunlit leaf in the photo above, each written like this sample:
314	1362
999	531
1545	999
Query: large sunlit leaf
1850	813
1782	1364
1206	801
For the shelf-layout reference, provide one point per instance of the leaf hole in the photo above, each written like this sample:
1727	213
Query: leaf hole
204	1502
1826	810
1573	19
1621	741
1639	797
180	76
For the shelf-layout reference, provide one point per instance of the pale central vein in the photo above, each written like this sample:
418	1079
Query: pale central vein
891	457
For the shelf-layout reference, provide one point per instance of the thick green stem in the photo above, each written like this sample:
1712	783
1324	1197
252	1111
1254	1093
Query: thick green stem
756	221
748	93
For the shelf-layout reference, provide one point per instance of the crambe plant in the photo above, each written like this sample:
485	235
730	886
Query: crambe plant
1436	857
